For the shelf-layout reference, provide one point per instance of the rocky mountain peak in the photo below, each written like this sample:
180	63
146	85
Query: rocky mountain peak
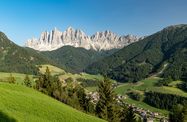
55	39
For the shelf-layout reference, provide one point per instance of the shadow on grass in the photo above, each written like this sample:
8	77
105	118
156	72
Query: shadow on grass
6	118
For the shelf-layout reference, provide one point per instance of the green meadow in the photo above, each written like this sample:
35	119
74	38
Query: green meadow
19	103
18	77
148	84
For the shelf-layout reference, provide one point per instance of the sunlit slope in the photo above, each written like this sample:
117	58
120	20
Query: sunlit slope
25	104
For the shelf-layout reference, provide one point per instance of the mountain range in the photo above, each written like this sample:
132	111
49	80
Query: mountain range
99	41
24	60
163	53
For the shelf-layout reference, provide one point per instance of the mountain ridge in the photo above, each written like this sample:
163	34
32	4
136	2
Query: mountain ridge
75	59
14	58
147	56
55	39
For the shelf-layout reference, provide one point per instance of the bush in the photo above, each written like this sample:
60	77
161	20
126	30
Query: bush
164	82
87	82
135	95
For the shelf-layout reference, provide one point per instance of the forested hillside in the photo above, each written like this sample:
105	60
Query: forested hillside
164	52
14	58
75	59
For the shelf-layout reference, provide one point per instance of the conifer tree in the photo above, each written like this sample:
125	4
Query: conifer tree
44	82
130	116
82	97
105	108
47	78
177	114
185	113
47	72
123	111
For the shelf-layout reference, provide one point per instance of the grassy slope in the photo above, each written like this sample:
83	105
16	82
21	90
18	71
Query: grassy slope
146	106
25	104
64	75
54	70
18	76
149	85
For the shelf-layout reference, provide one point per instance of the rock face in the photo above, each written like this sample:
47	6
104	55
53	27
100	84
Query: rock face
100	41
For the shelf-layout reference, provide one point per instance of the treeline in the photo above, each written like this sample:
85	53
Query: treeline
163	101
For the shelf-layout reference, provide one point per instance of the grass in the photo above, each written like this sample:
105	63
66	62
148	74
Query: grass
25	104
18	76
146	106
149	85
141	86
64	75
170	90
54	70
91	89
81	75
174	83
144	85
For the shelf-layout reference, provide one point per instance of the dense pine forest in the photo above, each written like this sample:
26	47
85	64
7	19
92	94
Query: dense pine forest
163	51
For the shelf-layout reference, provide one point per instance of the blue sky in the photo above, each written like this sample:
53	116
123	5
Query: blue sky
24	19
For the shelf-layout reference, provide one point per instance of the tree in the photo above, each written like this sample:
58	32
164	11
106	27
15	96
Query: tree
135	95
11	79
185	113
27	81
130	116
123	112
177	114
82	97
105	108
47	79
183	86
164	81
47	71
127	113
44	82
